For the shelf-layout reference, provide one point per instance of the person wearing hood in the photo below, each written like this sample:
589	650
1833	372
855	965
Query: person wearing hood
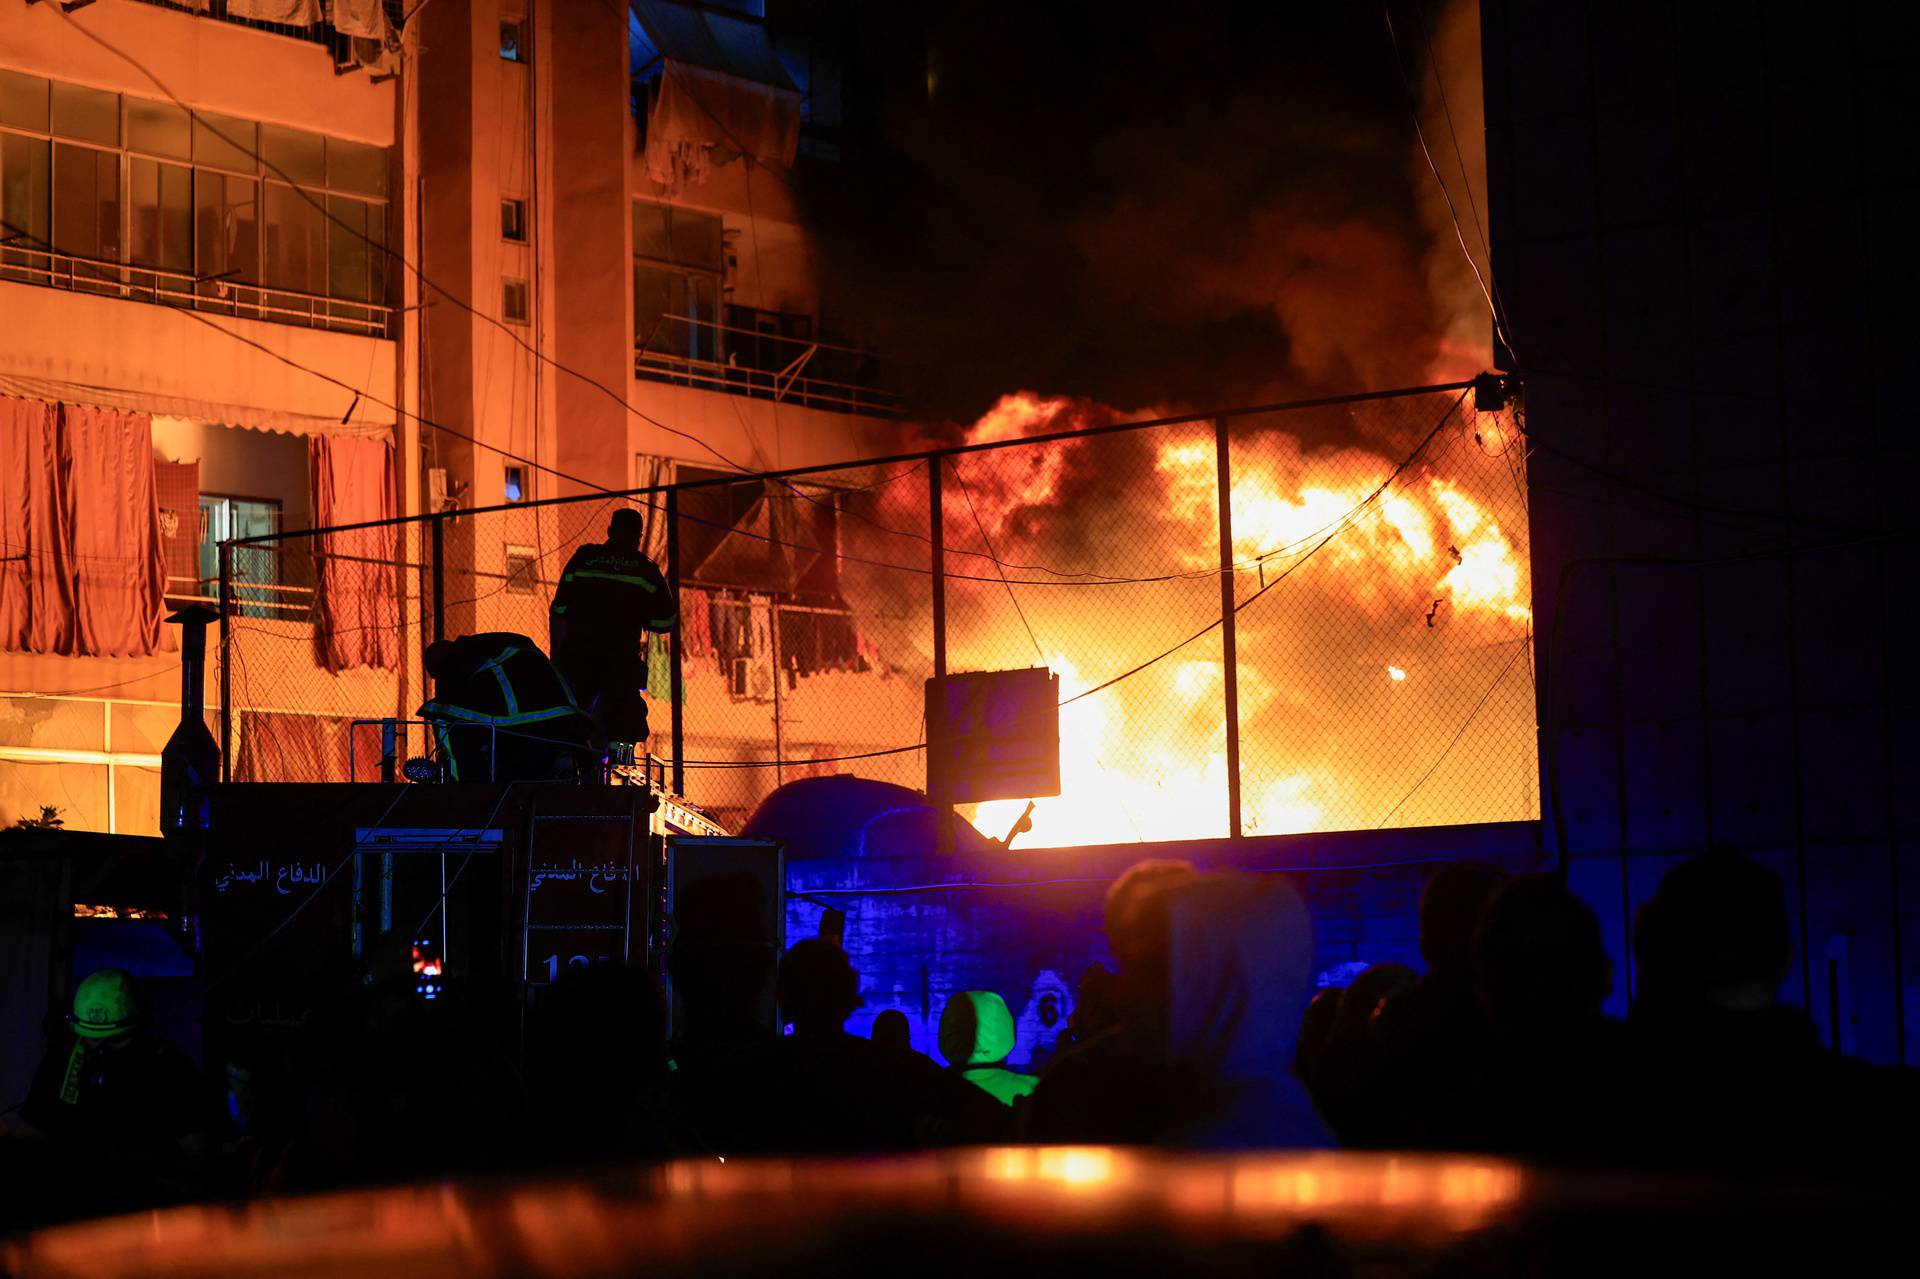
1218	969
1239	973
976	1034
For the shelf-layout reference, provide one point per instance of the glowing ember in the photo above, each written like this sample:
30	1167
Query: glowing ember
1395	674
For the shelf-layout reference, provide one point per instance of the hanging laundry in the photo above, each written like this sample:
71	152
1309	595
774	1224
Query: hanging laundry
659	666
760	637
696	639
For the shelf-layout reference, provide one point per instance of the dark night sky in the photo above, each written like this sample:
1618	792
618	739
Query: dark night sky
1191	204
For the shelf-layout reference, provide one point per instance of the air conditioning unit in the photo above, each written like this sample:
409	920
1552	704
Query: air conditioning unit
749	679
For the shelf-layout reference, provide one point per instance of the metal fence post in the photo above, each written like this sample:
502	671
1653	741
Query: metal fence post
943	821
939	567
439	579
674	655
226	662
1229	641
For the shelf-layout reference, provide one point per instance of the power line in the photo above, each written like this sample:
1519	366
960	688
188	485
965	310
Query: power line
1015	599
1452	213
1161	656
427	282
1458	733
1291	568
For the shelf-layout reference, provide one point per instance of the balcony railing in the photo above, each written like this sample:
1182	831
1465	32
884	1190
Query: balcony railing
250	599
766	366
30	265
321	33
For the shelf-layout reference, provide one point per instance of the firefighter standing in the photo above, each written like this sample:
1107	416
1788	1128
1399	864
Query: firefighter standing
610	596
502	712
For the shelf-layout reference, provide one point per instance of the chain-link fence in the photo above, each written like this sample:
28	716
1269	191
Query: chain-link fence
1371	584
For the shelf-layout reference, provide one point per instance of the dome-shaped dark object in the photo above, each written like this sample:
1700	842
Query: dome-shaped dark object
848	818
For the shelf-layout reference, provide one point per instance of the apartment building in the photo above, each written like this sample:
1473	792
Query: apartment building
272	265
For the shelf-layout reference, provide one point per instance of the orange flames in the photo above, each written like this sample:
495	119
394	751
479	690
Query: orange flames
1351	674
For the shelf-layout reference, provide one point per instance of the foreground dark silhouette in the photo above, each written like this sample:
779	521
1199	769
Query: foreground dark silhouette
1208	1034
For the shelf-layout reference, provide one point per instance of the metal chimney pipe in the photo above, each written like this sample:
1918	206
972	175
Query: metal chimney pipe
190	762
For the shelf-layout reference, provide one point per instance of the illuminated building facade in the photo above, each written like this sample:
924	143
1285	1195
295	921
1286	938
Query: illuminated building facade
325	269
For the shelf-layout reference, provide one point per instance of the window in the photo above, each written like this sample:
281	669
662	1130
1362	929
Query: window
513	300
356	167
513	220
226	227
296	228
222	142
356	249
663	233
159	128
86	202
153	185
160	214
516	484
91	115
294	154
677	259
255	568
23	101
26	190
513	39
521	579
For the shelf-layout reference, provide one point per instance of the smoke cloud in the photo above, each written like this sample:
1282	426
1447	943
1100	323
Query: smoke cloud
1204	205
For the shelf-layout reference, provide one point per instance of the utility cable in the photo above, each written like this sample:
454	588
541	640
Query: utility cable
1453	214
988	541
1161	656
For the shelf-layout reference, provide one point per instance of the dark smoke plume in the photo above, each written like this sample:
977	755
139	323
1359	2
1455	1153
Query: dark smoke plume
1194	204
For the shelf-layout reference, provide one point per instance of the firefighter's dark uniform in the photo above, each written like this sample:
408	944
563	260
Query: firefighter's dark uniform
502	711
608	598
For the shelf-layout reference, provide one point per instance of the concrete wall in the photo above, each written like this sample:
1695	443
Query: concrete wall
1702	221
1033	922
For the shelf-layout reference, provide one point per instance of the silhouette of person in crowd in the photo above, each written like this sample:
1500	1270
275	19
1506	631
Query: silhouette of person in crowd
1556	1079
838	1092
1399	1077
1316	1029
721	966
1214	974
1111	1084
597	1067
1737	1081
891	1029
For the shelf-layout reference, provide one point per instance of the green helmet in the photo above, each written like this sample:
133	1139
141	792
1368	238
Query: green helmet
106	1005
976	1029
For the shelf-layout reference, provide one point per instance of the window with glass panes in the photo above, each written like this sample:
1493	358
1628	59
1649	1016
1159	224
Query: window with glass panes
115	178
677	266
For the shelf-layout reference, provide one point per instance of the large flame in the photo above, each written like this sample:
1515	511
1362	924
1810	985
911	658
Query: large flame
1411	555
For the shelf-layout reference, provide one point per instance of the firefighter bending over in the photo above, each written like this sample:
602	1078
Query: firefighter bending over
502	712
610	595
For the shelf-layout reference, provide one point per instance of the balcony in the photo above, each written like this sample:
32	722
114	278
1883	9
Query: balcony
757	361
320	33
28	264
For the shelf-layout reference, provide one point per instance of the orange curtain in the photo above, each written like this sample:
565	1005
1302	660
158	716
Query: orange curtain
82	572
120	566
356	588
36	546
276	747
